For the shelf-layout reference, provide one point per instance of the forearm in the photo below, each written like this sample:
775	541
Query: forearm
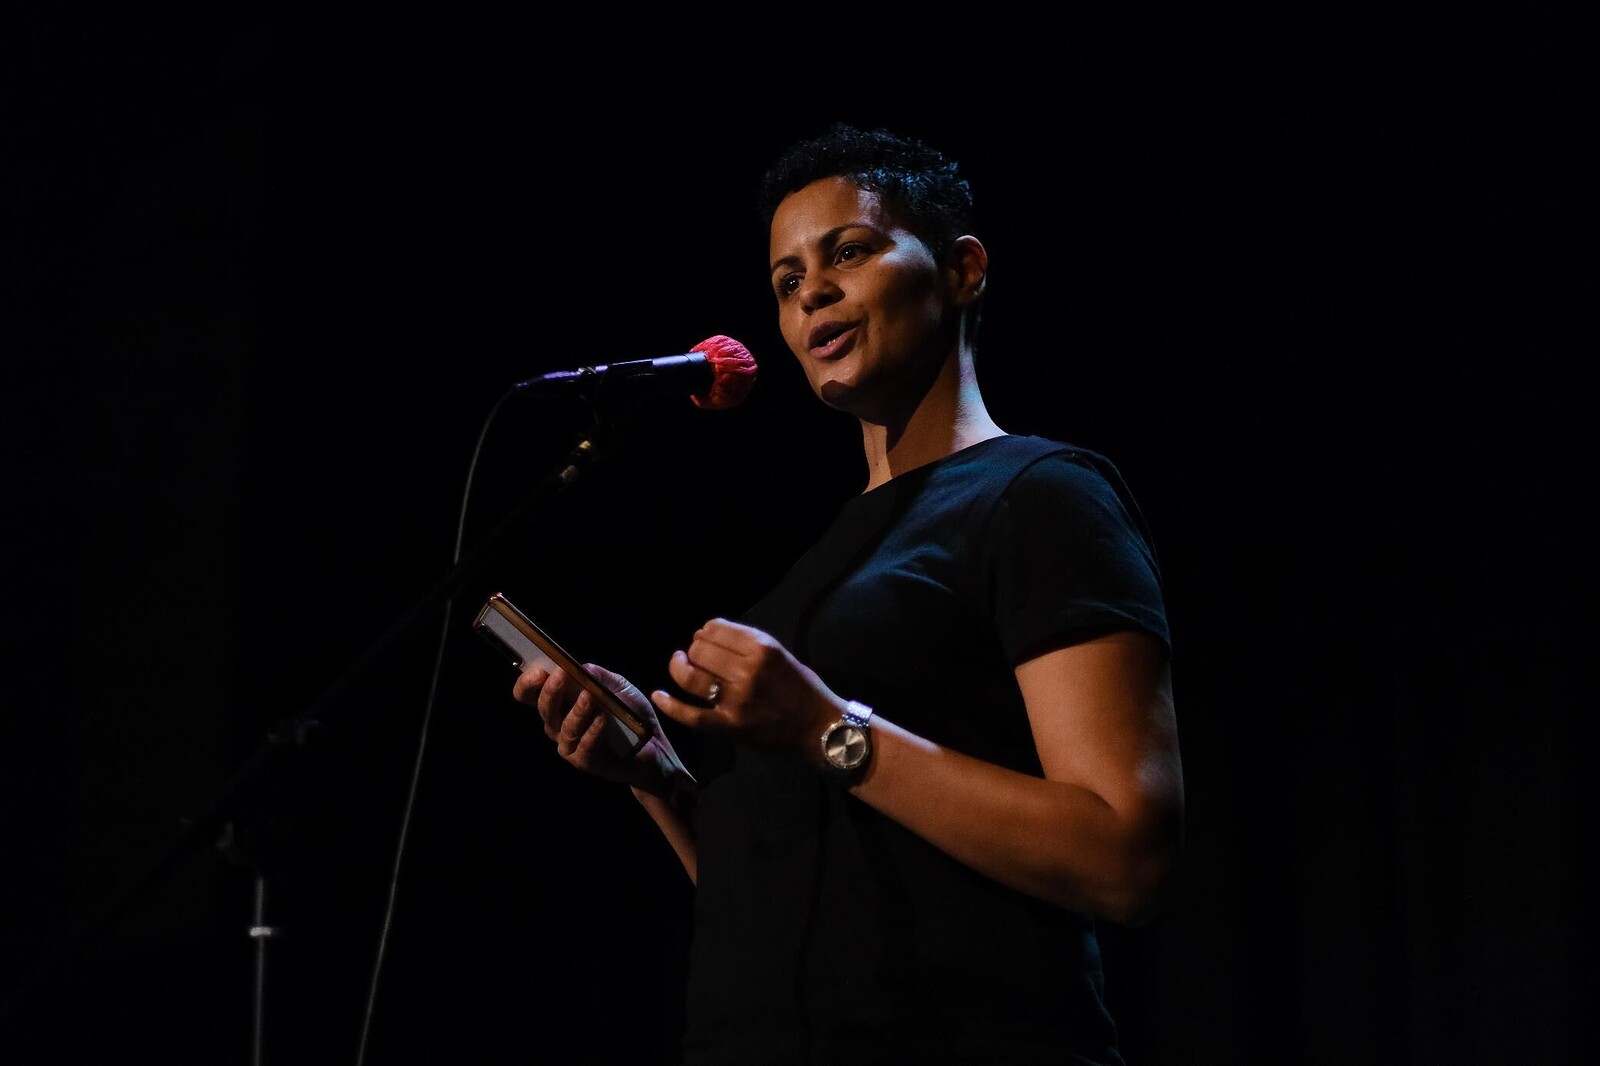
674	811
1053	840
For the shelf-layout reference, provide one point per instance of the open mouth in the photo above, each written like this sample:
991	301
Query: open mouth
826	341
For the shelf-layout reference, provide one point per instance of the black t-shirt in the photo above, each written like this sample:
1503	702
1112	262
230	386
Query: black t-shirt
828	933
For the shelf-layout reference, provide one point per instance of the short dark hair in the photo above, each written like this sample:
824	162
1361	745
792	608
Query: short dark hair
922	187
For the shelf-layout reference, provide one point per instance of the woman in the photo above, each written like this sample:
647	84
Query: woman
944	745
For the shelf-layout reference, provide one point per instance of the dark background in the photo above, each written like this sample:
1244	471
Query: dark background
1323	287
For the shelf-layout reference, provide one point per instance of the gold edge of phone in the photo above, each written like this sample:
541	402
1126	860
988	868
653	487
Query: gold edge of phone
506	627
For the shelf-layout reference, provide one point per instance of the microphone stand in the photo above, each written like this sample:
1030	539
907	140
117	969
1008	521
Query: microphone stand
213	823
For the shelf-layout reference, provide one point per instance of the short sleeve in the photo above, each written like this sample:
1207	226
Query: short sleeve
1068	561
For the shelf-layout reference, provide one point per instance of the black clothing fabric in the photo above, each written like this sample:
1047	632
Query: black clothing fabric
828	933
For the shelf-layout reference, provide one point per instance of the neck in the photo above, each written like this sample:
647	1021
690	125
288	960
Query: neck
950	416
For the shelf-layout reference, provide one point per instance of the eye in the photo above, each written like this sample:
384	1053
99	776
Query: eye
849	252
786	285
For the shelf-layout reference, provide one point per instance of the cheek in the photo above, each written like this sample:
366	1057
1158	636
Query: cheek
913	294
793	329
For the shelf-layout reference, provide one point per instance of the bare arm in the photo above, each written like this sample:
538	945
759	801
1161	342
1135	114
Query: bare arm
674	814
1099	832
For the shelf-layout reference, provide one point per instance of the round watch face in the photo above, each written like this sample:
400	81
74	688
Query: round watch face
845	746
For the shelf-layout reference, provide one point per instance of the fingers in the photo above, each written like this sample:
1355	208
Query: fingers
557	700
528	683
581	729
722	642
554	702
719	674
681	711
721	654
700	681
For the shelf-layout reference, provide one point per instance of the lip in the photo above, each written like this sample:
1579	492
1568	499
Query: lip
829	340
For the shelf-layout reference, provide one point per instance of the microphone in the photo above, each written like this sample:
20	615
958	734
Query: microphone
717	373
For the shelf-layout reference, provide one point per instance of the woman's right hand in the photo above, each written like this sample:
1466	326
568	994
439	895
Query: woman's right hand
576	722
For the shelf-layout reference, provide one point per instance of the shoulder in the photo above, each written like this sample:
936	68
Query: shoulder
1077	492
1034	465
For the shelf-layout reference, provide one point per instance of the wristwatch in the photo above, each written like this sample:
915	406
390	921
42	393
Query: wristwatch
847	743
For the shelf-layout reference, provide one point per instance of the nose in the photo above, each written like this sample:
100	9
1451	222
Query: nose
817	291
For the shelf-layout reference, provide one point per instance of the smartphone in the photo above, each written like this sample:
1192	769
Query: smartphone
525	644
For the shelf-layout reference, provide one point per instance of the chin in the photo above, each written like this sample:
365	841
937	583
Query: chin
838	395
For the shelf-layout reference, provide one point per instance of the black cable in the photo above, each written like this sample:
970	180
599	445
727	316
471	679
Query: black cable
422	742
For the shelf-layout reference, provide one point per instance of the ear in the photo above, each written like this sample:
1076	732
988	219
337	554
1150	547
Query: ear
966	270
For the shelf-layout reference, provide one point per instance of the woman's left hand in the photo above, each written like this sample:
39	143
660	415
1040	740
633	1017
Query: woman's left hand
749	686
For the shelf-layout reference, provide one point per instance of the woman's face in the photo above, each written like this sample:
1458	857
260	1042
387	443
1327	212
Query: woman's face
862	302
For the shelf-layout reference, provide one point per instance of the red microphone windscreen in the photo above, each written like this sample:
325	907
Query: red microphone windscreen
733	372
